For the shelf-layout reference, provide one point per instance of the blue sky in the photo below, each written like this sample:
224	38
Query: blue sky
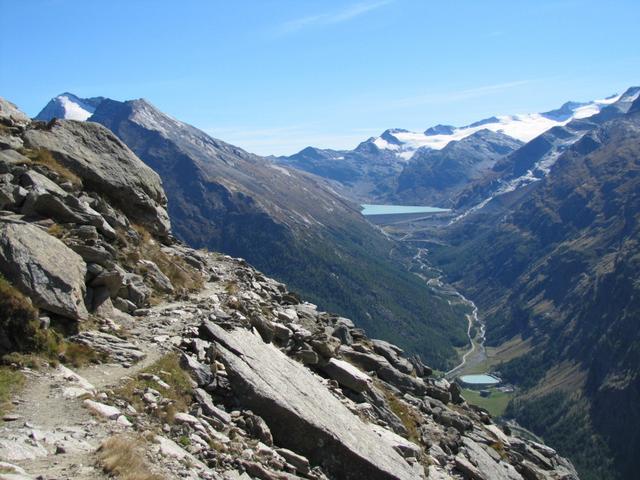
274	76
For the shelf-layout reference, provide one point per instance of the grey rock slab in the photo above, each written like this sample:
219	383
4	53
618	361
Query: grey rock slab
368	361
205	402
9	141
43	268
16	448
155	275
402	380
486	465
393	354
347	375
101	409
298	461
199	372
302	413
11	157
116	348
404	446
35	180
169	448
342	333
7	198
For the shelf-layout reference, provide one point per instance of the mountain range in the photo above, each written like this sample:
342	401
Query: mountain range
552	262
543	237
288	223
378	169
126	354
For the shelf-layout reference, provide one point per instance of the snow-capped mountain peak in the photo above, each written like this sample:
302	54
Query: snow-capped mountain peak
523	127
69	107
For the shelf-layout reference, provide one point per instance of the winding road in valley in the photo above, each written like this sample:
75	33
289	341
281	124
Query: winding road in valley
477	352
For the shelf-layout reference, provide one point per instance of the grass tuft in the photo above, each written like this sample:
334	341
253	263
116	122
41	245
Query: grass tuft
80	355
184	278
43	157
180	392
11	381
124	457
23	342
410	418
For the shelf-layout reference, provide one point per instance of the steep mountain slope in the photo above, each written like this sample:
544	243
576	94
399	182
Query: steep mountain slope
560	267
434	177
288	223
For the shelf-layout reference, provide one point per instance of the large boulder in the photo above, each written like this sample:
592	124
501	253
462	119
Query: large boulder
393	354
347	375
107	166
302	413
43	268
10	115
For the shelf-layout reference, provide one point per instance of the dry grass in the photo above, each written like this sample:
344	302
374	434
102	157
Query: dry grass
27	360
231	287
43	157
499	447
80	355
29	345
184	278
57	230
124	457
566	376
408	415
180	392
11	381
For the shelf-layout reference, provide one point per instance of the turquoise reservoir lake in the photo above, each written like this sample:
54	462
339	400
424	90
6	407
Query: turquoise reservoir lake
398	209
481	379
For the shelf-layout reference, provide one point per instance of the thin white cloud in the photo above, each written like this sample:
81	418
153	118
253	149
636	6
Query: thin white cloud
288	139
458	95
331	18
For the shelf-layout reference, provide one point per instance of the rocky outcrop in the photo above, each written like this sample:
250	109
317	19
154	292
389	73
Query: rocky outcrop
301	412
43	268
79	208
10	115
106	166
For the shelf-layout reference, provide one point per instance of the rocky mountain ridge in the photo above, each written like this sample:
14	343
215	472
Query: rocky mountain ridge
206	368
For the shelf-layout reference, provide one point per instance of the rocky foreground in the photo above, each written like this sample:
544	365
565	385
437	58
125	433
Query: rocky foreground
203	367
